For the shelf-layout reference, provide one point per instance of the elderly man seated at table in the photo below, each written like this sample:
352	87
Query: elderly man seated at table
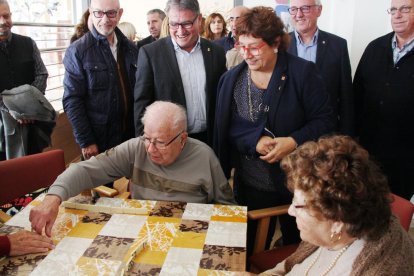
162	164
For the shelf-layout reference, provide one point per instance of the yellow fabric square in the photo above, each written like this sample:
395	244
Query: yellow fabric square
75	211
85	230
147	256
189	240
228	219
163	220
158	235
207	272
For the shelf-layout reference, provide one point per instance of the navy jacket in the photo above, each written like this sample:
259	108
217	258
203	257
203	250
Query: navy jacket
226	42
332	61
91	98
300	109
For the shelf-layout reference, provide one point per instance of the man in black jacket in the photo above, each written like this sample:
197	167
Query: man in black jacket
154	23
183	69
384	93
330	54
20	62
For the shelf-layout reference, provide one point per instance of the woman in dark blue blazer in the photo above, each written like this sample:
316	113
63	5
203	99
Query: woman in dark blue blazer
267	106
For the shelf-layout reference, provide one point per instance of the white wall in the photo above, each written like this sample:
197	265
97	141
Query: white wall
358	21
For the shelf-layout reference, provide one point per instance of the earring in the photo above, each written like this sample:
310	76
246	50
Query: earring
275	50
336	237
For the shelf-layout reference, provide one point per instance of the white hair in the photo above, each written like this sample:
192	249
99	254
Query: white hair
166	113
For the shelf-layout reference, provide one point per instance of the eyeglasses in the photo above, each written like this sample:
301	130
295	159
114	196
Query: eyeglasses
303	9
184	25
255	51
233	18
109	14
402	9
158	144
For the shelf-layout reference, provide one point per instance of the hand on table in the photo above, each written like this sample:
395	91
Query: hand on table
25	242
90	151
44	215
274	149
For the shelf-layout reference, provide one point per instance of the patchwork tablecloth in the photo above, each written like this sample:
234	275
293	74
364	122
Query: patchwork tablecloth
180	239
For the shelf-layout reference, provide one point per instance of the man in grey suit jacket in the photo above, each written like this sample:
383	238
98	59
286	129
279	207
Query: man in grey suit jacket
183	69
330	53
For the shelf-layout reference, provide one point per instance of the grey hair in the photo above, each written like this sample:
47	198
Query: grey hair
318	2
160	12
191	5
167	113
4	2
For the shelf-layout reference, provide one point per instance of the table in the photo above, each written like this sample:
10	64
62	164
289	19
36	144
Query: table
181	239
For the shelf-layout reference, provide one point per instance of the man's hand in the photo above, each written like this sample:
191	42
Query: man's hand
44	215
265	145
25	121
282	146
90	151
25	242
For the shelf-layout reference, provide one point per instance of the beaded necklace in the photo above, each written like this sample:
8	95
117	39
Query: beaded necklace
249	94
331	265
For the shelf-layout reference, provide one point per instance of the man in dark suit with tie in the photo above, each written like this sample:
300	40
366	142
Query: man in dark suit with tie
330	54
183	68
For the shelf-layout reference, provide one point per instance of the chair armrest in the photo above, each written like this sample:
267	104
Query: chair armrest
268	212
263	216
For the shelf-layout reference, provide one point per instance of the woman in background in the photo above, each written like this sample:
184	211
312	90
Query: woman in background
84	26
215	27
128	29
266	106
342	208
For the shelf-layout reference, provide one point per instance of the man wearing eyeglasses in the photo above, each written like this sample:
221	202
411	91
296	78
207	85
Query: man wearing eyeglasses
99	80
384	96
183	68
228	41
330	54
162	164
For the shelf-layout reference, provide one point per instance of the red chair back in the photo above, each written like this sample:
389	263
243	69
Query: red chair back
403	209
26	174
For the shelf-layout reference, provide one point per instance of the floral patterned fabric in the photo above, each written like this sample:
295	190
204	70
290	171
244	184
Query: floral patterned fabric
179	238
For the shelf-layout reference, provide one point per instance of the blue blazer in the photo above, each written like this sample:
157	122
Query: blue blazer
332	61
299	109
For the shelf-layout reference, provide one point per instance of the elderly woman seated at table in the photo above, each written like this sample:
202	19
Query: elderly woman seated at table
342	208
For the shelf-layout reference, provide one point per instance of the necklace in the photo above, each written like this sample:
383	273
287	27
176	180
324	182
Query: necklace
331	265
249	95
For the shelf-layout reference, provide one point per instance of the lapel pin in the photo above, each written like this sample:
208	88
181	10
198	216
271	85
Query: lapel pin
208	49
283	77
323	41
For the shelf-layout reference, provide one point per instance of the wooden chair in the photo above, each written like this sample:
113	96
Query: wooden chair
26	174
262	259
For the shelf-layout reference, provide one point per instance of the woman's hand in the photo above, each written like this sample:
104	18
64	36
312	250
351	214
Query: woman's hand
279	148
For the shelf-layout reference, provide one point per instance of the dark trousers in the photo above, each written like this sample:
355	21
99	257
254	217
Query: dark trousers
255	199
400	174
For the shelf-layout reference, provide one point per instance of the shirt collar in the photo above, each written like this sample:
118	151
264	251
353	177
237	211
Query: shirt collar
314	40
177	48
394	42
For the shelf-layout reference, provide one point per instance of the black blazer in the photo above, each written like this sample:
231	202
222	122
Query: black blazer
158	78
332	61
145	41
